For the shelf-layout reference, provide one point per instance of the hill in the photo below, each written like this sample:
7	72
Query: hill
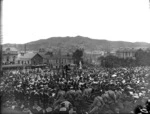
71	43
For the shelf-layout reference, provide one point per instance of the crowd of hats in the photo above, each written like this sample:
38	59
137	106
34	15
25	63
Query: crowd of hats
145	109
90	90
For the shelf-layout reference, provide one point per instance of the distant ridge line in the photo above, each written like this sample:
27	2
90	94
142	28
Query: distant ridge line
71	43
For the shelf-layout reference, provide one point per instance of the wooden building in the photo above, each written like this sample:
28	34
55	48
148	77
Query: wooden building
46	56
30	59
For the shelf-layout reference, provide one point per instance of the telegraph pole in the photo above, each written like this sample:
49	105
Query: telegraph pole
1	38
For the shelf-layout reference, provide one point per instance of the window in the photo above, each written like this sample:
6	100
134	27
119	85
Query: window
64	60
8	49
14	59
19	62
7	58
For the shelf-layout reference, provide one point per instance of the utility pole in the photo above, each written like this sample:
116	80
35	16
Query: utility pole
1	50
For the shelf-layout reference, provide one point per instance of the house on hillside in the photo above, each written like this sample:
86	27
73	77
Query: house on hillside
9	55
30	59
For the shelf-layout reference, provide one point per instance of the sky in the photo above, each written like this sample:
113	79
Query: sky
29	20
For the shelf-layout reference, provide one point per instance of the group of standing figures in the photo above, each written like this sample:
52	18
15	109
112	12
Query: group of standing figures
90	90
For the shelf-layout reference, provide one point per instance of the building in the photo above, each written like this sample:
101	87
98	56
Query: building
126	53
29	59
92	56
58	62
55	59
46	55
9	55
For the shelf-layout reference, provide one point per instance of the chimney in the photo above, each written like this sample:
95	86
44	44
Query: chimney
22	53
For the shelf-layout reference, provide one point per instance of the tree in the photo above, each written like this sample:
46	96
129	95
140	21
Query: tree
113	61
77	56
142	57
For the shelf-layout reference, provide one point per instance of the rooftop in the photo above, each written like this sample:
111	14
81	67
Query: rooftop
9	49
26	56
126	50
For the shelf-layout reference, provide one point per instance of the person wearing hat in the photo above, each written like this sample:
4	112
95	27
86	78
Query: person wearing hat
97	105
67	104
27	94
16	92
18	106
48	109
41	94
70	95
72	110
147	104
36	97
26	109
45	98
63	109
137	109
32	97
36	109
112	96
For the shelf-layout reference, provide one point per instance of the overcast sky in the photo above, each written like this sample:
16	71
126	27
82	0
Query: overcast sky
29	20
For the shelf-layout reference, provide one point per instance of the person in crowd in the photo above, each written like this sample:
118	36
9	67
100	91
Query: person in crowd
90	90
36	109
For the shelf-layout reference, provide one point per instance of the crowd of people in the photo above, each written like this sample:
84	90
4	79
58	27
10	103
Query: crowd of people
80	91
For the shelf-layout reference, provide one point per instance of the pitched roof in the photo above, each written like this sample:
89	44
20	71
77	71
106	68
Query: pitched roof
61	57
9	48
26	56
44	56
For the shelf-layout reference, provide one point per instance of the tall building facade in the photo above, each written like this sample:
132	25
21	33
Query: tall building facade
126	53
